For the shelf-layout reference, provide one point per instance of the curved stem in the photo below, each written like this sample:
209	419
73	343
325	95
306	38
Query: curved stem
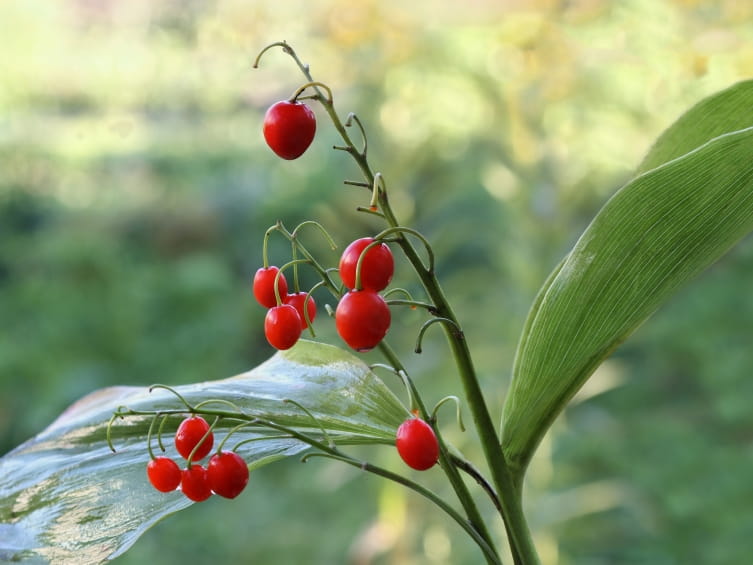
445	458
478	536
489	552
507	485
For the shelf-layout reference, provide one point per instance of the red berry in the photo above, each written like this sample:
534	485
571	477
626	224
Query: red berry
289	128
377	266
296	301
163	473
362	319
417	444
264	286
227	474
188	436
282	326
194	483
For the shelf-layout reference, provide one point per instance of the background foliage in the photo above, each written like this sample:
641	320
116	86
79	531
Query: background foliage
135	188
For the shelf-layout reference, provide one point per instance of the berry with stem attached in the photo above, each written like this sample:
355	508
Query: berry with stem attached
289	128
282	326
376	269
227	474
189	434
417	444
194	483
264	286
163	473
297	300
362	319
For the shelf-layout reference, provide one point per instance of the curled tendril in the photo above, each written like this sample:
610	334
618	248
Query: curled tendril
108	433
349	121
230	432
159	432
188	406
408	301
407	383
422	331
321	229
361	256
418	235
309	297
283	44
326	435
198	445
265	243
149	435
316	85
458	412
232	405
294	263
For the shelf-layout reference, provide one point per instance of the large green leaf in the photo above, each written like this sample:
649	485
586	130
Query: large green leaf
720	113
656	233
65	497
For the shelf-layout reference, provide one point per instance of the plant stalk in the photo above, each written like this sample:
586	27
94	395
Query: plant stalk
523	549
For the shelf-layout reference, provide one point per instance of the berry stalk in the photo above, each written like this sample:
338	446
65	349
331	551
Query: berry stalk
509	493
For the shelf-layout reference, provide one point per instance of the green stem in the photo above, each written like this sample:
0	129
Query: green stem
509	490
509	493
489	552
445	458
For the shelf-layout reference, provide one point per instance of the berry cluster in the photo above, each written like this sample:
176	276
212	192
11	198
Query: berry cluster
226	473
288	314
366	267
362	316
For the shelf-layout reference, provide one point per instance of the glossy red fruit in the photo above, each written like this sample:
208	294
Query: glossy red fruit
362	319
377	266
289	128
188	436
264	286
282	326
163	473
417	444
194	483
297	300
227	474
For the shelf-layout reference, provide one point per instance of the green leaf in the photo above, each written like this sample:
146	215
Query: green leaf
64	496
658	232
720	113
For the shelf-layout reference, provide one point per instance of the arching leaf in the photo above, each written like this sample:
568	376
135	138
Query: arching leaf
655	234
720	113
65	497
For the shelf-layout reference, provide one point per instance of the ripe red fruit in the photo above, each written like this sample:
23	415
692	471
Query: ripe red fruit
417	444
362	319
227	474
377	266
297	300
282	326
264	286
163	473
194	483
188	436
289	128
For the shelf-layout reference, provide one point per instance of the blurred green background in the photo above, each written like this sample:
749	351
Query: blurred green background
135	189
